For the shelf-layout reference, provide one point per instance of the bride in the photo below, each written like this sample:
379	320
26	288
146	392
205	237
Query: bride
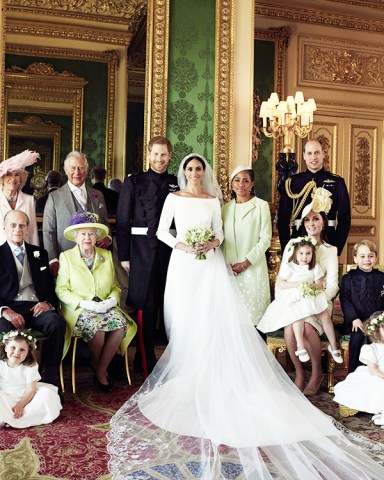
218	405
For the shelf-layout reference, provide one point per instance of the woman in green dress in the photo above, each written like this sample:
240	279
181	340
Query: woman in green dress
247	236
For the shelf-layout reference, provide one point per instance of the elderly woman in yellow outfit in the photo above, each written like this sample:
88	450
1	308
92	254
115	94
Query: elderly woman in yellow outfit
247	236
89	294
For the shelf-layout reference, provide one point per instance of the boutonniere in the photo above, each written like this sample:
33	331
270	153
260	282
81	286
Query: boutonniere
36	254
94	195
173	188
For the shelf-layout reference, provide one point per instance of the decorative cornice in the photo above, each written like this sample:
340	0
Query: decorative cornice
347	108
52	52
318	17
69	32
129	13
224	78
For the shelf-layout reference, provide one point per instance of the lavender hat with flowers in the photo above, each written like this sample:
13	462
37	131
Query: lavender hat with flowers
85	220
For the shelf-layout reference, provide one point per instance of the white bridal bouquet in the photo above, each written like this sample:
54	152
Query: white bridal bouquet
308	289
196	236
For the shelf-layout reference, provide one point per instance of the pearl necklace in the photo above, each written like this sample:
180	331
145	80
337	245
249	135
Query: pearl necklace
11	198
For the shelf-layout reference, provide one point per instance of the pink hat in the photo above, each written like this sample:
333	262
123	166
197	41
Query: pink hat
18	162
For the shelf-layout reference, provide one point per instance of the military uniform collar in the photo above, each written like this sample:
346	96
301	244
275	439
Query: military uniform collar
155	174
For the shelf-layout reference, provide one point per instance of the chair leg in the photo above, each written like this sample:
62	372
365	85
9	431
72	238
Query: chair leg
73	374
61	374
331	373
141	342
127	366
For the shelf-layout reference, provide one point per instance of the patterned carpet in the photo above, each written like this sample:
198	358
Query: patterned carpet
74	446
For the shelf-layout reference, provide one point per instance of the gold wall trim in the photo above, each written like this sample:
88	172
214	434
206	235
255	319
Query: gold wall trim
116	11
224	78
350	108
317	17
112	58
362	230
155	120
67	32
340	64
2	70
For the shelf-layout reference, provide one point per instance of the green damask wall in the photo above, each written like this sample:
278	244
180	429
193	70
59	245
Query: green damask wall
95	101
264	69
191	69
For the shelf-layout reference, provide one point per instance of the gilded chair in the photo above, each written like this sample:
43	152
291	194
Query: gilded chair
73	366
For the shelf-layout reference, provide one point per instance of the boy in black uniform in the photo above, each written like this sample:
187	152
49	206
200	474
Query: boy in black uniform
361	295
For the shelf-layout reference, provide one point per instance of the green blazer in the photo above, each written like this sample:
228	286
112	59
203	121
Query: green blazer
75	282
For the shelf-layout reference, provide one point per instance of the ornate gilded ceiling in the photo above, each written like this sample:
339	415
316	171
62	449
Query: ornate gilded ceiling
129	13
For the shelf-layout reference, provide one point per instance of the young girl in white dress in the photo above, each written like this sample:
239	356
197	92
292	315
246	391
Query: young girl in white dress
363	389
217	404
299	294
23	401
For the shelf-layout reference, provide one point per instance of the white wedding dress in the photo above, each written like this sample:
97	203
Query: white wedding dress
218	405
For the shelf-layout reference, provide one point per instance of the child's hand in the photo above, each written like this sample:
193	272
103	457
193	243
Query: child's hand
18	410
357	325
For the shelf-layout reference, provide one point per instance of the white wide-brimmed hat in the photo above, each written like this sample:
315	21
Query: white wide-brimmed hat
85	220
238	169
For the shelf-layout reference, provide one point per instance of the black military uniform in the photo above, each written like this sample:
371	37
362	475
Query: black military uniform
138	213
339	216
361	295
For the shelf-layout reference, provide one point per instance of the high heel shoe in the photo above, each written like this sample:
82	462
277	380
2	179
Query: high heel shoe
105	388
308	392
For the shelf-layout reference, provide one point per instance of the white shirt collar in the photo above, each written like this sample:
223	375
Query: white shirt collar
73	188
13	247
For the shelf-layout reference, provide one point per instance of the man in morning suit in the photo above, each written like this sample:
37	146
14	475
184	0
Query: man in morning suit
27	296
64	202
298	193
141	254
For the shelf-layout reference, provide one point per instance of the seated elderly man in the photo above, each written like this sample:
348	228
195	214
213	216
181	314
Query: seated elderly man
27	296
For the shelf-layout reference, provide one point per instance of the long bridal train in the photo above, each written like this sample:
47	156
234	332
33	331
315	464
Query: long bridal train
218	405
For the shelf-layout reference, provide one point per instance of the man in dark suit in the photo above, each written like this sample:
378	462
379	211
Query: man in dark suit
140	253
27	296
98	176
298	193
64	202
53	181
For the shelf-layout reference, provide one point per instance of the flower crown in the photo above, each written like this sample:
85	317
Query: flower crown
31	340
306	239
375	323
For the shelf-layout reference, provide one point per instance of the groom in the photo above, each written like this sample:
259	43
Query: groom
141	254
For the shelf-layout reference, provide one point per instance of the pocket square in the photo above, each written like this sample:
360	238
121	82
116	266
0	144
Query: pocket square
101	205
42	268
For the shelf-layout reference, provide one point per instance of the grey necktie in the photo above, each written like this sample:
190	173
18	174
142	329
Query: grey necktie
19	252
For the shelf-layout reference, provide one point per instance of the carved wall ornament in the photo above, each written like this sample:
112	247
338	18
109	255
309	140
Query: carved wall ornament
363	180
157	72
363	230
340	64
224	75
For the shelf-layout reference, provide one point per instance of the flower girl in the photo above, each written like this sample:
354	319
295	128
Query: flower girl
363	389
23	401
300	293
